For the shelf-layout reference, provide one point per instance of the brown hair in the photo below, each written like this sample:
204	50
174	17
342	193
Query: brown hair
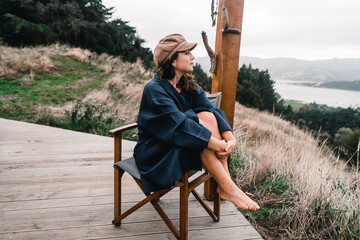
167	72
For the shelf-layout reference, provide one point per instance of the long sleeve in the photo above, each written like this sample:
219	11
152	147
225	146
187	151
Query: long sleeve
161	117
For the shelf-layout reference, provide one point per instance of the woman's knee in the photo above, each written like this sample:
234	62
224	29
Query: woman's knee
209	121
208	118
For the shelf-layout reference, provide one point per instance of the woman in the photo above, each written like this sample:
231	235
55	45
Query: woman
179	129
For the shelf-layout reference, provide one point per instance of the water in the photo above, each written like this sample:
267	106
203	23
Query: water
328	96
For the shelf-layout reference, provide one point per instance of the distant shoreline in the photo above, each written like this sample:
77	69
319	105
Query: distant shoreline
343	85
308	93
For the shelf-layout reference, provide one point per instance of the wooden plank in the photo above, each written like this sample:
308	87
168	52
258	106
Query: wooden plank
62	161
43	155
130	197
31	220
109	231
68	209
71	188
230	233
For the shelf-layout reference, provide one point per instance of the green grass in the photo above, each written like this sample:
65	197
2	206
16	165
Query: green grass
235	163
271	189
276	184
294	104
23	94
266	215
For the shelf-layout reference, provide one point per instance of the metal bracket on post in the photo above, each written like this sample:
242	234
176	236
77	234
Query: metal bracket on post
228	29
211	53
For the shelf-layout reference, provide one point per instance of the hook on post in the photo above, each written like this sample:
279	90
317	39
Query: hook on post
228	29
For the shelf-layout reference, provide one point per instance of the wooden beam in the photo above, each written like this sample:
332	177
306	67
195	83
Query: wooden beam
227	50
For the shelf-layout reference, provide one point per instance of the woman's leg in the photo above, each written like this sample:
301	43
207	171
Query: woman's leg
209	121
219	169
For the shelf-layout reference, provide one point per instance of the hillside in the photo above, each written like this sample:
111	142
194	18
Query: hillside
48	81
304	191
301	70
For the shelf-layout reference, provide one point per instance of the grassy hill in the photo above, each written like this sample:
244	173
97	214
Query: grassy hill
305	192
69	87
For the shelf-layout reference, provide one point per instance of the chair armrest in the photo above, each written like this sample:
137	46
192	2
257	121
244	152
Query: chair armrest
122	128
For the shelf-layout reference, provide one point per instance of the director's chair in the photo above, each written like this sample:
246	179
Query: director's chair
186	187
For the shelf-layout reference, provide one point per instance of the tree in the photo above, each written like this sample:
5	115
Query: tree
201	78
349	146
255	88
80	23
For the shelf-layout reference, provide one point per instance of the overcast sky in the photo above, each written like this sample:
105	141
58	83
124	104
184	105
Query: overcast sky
303	29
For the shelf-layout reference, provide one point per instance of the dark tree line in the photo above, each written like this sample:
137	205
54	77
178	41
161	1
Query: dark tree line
329	119
81	23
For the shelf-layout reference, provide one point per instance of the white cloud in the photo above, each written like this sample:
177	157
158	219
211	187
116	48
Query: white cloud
306	29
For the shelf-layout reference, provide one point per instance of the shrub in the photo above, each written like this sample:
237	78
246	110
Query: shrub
85	117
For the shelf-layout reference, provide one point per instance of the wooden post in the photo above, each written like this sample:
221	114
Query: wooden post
227	50
117	177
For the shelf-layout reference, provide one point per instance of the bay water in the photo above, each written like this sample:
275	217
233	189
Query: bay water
291	90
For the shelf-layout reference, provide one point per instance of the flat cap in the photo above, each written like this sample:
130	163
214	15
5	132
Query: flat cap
168	46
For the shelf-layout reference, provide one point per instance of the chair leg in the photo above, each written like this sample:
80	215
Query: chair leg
216	203
149	198
184	197
118	173
211	213
165	218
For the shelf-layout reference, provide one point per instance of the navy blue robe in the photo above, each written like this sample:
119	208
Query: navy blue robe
170	136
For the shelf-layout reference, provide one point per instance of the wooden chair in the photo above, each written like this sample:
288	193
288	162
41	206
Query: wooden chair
186	187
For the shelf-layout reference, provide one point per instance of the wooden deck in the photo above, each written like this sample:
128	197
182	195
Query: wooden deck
58	184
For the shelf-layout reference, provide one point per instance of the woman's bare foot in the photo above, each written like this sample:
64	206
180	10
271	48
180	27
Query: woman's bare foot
239	198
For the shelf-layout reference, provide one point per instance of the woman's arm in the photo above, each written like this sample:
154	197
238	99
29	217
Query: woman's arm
217	145
228	136
160	116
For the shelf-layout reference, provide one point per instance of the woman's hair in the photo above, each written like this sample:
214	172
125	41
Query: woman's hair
167	72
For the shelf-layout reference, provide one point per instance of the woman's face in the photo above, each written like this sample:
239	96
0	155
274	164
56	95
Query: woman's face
184	62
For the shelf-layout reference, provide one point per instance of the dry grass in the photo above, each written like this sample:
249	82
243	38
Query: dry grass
120	93
323	195
37	60
123	90
31	61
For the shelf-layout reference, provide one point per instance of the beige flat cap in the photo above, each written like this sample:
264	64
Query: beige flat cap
168	46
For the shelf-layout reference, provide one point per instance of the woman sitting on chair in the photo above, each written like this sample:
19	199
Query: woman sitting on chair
180	130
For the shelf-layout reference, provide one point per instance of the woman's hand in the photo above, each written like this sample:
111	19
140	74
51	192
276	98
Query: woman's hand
217	145
230	147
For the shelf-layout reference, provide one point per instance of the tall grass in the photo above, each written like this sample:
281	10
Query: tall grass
305	192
